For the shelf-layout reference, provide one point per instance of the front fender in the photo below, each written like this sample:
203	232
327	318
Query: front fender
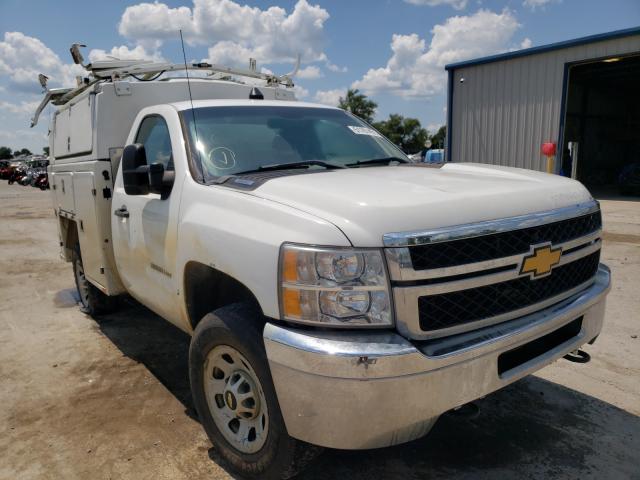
240	234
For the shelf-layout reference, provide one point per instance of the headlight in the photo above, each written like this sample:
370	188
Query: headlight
334	287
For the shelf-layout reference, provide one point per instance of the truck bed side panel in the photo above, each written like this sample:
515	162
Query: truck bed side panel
88	188
87	223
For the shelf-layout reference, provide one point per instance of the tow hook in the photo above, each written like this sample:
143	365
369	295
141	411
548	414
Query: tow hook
578	356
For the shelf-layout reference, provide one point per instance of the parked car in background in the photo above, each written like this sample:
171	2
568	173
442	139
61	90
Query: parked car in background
416	157
28	177
429	155
16	173
42	181
434	155
5	171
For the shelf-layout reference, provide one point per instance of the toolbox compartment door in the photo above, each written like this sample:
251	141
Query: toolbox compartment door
86	219
62	185
73	132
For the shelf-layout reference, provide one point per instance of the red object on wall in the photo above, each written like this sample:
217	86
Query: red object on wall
549	149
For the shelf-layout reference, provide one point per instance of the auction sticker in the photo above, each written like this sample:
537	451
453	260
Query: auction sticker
364	131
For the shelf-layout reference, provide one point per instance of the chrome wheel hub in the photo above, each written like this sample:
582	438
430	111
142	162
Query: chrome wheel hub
240	396
236	399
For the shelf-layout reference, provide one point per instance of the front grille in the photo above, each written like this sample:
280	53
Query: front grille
498	245
465	306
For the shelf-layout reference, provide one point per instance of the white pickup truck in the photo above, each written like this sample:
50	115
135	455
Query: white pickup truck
337	294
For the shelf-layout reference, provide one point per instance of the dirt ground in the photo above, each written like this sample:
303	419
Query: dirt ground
81	399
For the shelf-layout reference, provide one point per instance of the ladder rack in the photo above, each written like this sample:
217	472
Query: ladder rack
114	70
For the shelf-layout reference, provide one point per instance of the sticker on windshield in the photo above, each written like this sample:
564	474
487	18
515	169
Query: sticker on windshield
364	131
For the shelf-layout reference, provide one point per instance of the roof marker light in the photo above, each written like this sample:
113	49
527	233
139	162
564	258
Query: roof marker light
256	94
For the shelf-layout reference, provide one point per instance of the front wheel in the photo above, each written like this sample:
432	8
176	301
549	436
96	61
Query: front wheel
235	398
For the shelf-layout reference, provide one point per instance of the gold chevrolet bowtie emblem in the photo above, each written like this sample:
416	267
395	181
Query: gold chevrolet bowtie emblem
541	261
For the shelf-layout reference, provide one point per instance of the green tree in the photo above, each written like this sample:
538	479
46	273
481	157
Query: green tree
5	153
24	151
438	138
358	104
45	150
406	133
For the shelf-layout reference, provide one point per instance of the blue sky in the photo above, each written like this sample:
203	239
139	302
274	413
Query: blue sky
394	50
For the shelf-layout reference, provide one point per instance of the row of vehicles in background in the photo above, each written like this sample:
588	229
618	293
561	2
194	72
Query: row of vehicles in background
30	171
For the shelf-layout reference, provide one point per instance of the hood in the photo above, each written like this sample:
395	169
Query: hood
365	203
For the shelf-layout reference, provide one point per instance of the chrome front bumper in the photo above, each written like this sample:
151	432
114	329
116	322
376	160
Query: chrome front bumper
375	389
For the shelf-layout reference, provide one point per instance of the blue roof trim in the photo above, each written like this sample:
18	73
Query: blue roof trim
546	48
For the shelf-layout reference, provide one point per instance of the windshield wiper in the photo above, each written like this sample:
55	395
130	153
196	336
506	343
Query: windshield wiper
378	161
292	165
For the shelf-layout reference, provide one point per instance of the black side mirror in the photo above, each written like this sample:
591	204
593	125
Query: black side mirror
135	170
139	178
160	180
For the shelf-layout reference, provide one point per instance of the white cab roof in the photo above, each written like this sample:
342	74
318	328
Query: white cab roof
245	102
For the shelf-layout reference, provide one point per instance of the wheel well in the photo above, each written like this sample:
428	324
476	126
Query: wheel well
207	289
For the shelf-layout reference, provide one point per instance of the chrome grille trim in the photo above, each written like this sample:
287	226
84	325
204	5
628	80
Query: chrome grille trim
410	284
408	323
481	280
457	232
401	270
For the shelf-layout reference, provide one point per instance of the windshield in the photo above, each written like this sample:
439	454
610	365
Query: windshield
233	140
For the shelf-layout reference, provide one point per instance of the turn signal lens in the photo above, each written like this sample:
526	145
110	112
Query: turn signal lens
289	270
291	302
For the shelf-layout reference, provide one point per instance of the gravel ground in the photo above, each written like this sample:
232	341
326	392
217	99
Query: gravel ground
104	400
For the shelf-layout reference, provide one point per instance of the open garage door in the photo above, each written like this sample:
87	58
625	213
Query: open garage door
601	146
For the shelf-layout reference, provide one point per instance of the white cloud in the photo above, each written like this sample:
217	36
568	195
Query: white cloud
21	137
300	92
335	68
311	72
125	53
22	58
533	4
230	53
457	4
416	69
150	24
330	97
22	108
235	32
526	43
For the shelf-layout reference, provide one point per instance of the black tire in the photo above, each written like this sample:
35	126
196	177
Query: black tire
92	301
240	326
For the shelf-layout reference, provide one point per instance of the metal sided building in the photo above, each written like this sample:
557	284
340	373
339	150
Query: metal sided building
582	95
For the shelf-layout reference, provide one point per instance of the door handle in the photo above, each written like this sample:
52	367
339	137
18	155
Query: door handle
122	212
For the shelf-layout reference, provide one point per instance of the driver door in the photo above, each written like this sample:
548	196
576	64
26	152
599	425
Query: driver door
144	228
